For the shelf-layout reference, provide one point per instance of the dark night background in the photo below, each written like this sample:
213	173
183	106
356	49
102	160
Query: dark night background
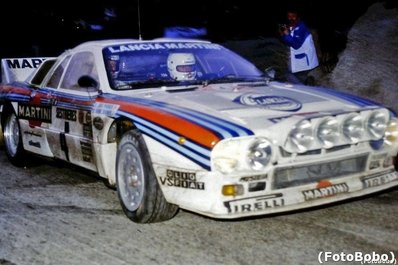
47	29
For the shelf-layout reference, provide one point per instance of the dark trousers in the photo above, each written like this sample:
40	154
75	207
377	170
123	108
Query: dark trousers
300	78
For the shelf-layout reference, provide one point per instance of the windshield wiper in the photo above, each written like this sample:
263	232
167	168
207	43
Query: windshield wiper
233	79
156	83
146	84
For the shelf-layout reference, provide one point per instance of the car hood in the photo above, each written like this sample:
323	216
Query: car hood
256	106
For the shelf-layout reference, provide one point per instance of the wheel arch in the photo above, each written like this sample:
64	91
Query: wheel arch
115	133
5	109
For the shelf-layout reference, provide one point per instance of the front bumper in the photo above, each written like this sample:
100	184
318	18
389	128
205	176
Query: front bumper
323	192
288	186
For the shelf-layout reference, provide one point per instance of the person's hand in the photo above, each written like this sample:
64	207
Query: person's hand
283	30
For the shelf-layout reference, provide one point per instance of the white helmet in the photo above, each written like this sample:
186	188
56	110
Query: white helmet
181	66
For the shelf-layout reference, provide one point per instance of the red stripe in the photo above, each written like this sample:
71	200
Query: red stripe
17	90
179	126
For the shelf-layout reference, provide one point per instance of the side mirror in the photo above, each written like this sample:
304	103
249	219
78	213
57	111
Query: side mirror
270	72
87	81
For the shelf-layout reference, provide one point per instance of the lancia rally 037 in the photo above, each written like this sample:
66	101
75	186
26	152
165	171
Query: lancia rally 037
190	124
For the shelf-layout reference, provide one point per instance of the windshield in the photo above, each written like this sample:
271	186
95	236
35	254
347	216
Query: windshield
154	64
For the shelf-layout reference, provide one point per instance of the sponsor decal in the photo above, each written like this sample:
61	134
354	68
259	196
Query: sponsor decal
325	189
254	204
87	131
378	180
162	46
84	117
304	114
98	123
24	63
182	179
277	120
105	109
269	102
18	69
253	178
66	114
87	152
38	113
35	144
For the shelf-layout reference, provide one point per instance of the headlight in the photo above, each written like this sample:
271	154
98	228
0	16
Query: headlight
353	128
377	125
328	132
241	154
259	154
301	136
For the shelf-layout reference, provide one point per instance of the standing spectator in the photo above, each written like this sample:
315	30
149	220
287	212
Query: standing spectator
303	56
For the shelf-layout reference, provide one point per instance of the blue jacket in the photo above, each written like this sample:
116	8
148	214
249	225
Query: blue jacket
303	54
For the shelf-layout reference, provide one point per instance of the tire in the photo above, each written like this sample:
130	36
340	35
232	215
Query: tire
138	190
13	141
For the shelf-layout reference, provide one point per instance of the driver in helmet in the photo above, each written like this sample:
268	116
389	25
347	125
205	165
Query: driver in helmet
116	65
181	66
113	65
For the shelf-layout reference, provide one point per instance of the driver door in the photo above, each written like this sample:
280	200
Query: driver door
70	133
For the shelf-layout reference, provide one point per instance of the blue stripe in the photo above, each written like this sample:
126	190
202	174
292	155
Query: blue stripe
205	120
66	95
73	106
192	151
17	97
359	101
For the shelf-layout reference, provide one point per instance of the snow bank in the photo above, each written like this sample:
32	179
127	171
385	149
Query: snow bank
369	65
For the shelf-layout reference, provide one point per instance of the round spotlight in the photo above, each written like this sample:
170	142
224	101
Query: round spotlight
377	125
328	132
353	128
301	136
259	154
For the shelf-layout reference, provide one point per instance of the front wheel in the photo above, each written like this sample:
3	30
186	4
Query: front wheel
13	141
140	195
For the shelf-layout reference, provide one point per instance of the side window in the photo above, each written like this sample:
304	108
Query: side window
56	76
80	64
42	71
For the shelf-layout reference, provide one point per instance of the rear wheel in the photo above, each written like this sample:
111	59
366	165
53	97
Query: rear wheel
13	141
140	195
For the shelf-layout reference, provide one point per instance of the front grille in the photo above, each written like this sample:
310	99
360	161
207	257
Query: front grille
300	175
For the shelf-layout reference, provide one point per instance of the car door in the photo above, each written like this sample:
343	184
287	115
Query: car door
34	114
70	133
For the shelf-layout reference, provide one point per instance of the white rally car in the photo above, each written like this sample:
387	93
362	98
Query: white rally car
175	123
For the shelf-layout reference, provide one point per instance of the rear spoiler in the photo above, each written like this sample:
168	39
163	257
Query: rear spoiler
19	69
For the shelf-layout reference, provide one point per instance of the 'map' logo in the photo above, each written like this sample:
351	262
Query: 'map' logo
19	69
269	102
24	63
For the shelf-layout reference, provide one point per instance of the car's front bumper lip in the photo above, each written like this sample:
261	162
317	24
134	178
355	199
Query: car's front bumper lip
305	196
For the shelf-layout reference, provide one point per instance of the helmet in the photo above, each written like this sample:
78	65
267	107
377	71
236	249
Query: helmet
113	65
181	66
